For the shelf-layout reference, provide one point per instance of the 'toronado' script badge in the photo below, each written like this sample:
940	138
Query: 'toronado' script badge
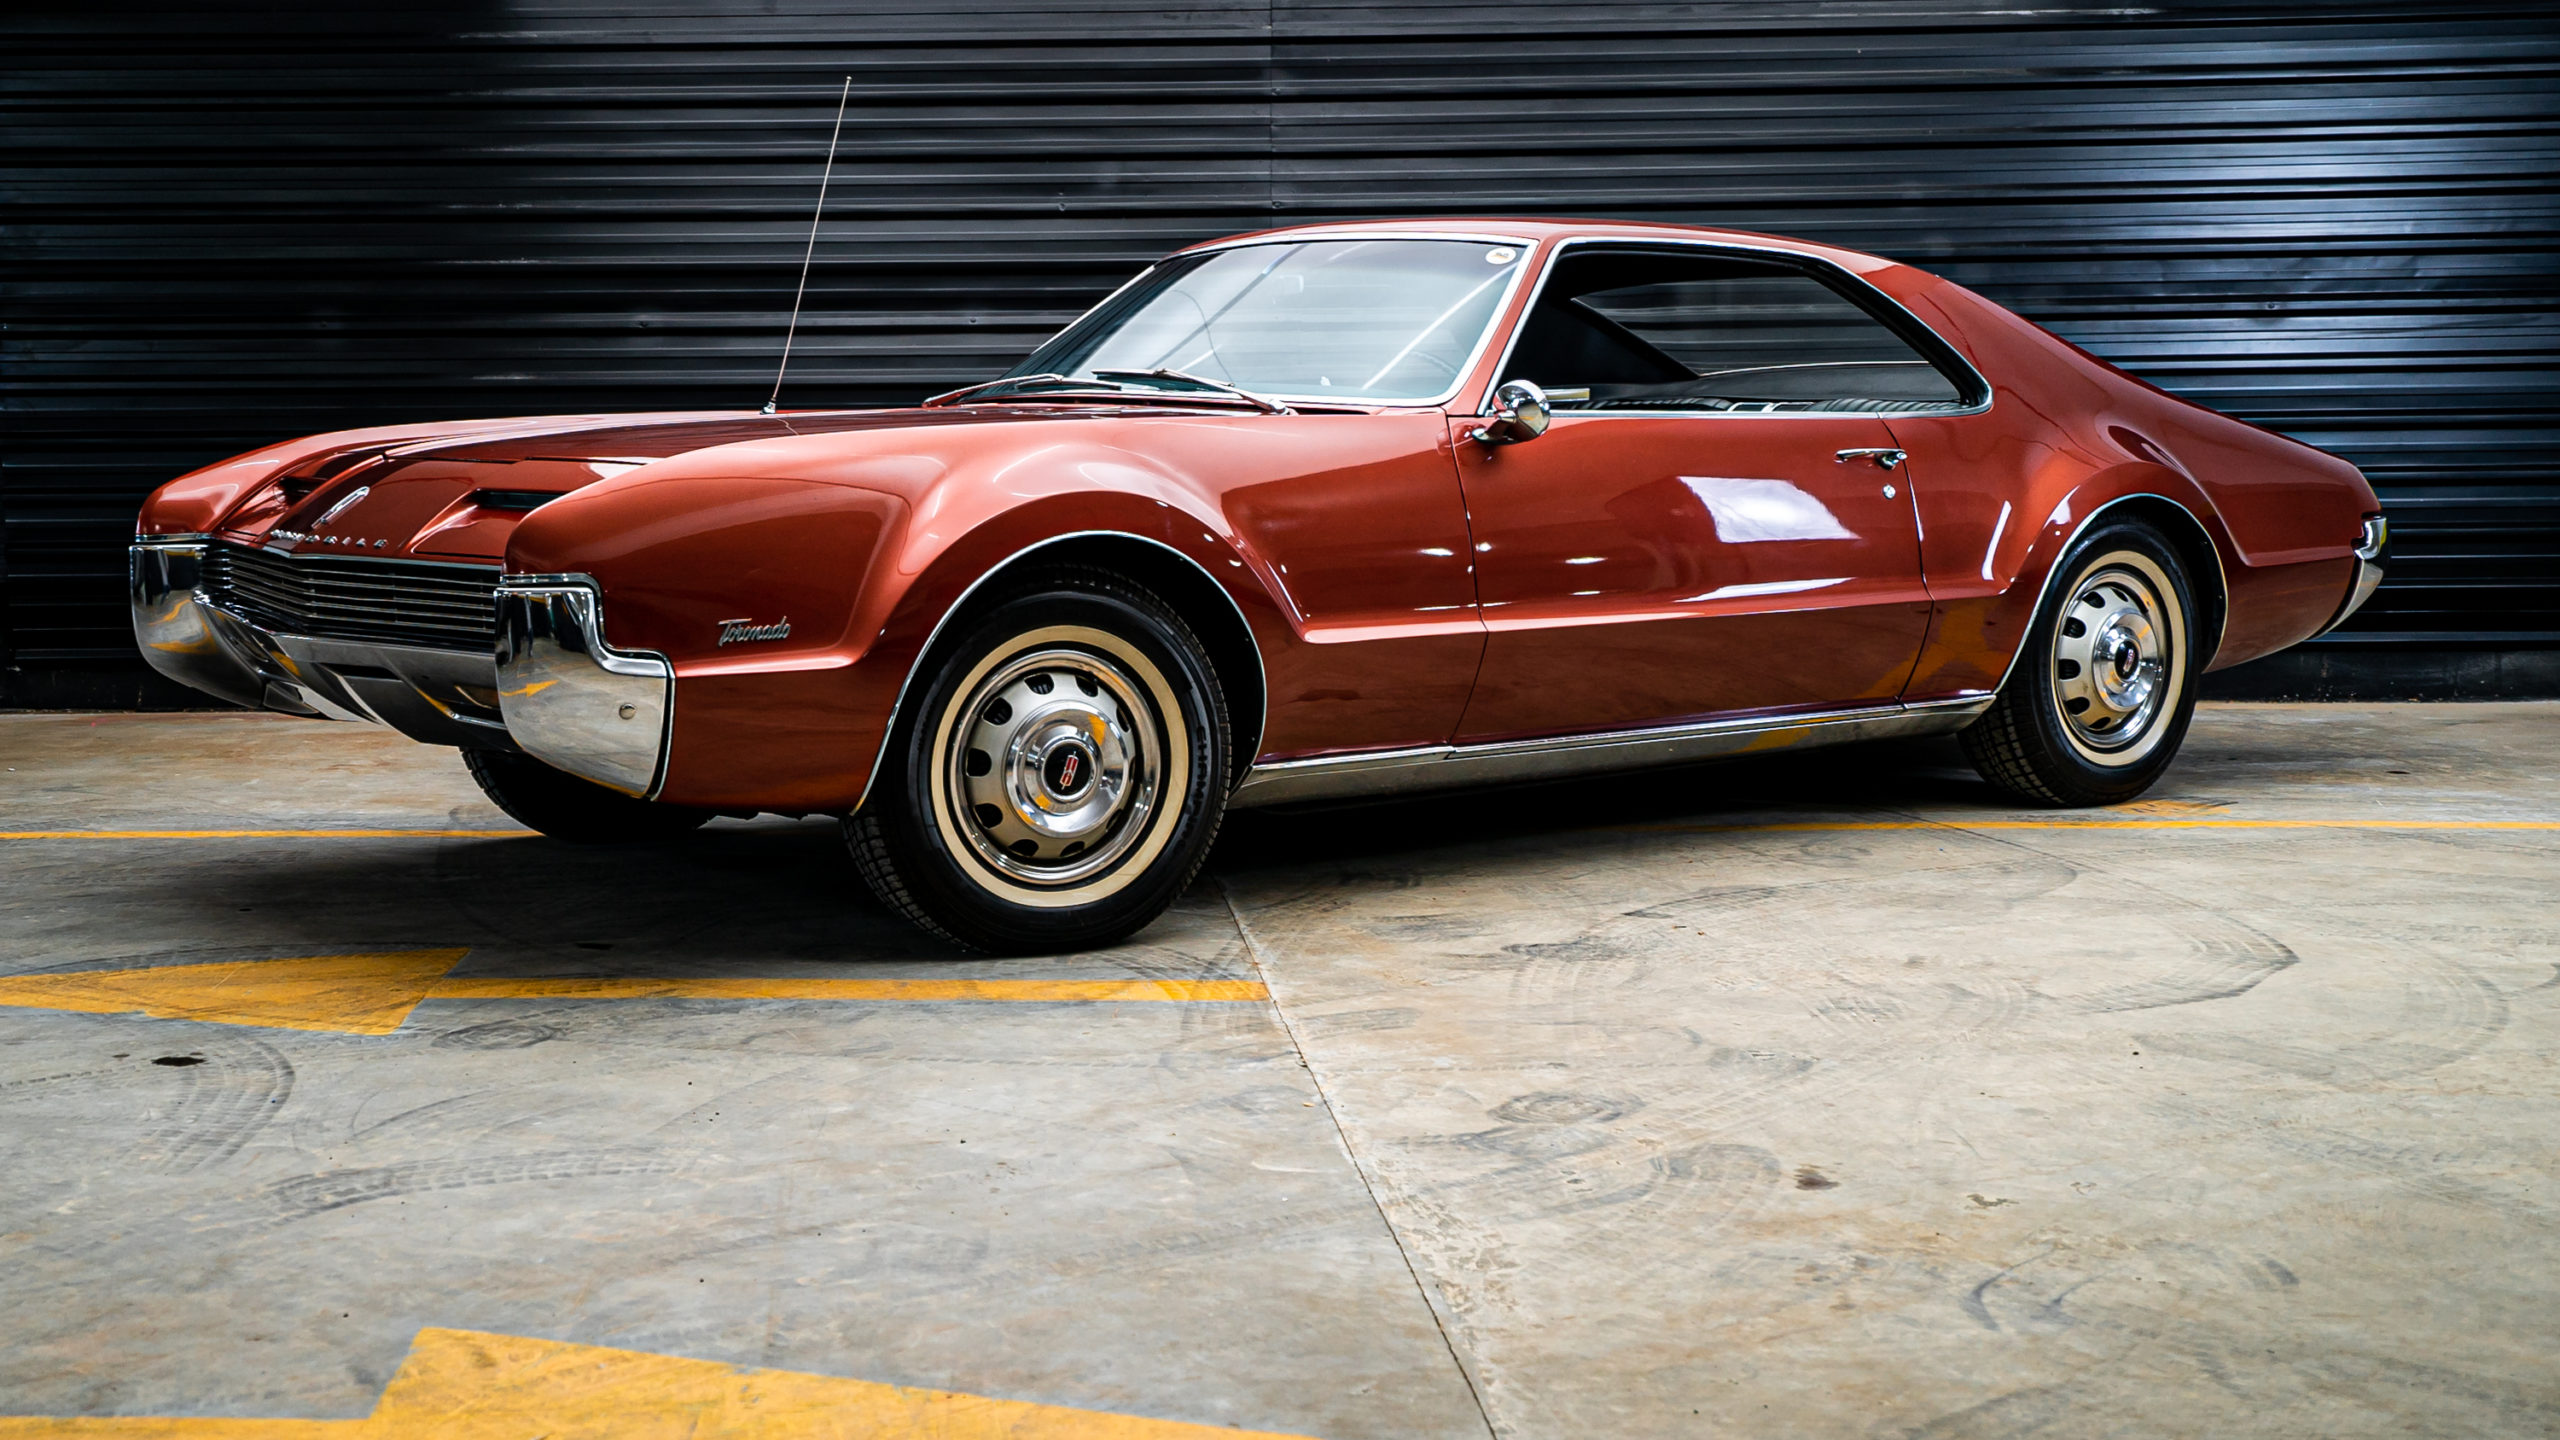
740	632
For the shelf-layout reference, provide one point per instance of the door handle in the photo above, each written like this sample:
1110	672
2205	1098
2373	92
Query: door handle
1885	456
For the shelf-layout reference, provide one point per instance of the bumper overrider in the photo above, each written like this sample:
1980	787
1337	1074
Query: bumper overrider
572	700
549	686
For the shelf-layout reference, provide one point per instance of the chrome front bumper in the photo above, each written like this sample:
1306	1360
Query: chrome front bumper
554	689
443	697
2373	557
572	700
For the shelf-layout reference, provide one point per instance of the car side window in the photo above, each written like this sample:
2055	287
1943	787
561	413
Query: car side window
1652	329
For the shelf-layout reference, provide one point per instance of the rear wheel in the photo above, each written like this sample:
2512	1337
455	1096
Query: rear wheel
1057	781
2099	699
565	807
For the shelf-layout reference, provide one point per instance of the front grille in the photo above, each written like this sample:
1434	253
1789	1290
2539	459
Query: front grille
337	597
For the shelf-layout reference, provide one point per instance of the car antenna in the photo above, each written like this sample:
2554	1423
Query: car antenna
775	399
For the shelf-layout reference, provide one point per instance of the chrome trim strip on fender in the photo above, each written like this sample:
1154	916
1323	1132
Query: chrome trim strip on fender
1338	777
2221	576
572	700
898	706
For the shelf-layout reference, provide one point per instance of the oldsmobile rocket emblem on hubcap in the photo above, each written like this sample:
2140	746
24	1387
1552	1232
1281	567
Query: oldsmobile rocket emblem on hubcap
1067	770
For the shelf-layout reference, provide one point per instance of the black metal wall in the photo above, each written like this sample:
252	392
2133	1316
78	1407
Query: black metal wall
231	224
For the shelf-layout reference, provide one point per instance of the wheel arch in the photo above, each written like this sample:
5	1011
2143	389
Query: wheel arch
2196	551
1213	614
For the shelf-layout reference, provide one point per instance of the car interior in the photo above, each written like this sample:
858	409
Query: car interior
1655	330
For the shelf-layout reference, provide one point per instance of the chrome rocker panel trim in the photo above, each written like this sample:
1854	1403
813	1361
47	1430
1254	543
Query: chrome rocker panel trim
418	691
1434	767
570	699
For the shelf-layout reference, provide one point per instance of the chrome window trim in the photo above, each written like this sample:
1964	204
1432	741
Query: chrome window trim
2222	575
1555	254
1475	356
1434	767
1302	237
898	706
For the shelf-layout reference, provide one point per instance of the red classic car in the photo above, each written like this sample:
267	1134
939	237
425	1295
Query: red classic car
1338	510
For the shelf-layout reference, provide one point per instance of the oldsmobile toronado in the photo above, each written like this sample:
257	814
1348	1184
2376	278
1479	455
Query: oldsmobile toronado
1342	510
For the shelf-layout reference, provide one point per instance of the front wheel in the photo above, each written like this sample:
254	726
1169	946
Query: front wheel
1058	777
2102	690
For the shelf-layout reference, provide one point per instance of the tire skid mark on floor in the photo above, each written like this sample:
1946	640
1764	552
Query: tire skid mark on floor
1648	1174
2526	1407
120	1071
1472	1232
2226	958
2447	1014
956	1275
2419	1170
304	1196
2127	1347
241	1085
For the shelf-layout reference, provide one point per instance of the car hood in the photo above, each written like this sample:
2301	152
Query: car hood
455	494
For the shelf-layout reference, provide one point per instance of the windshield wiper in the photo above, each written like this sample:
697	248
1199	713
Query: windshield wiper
1267	407
1011	381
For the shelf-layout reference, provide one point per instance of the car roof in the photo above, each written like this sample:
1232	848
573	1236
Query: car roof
1542	231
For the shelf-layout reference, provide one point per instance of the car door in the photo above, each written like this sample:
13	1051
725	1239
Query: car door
1705	527
1640	570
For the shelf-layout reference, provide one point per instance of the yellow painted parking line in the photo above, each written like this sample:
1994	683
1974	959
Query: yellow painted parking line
263	834
631	987
350	994
372	994
464	1385
1784	826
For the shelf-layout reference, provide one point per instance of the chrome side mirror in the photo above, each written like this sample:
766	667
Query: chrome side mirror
1520	413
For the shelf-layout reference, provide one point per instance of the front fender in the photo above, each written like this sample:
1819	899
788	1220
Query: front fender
863	578
752	588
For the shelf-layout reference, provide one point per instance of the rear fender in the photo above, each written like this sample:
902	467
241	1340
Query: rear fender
1988	598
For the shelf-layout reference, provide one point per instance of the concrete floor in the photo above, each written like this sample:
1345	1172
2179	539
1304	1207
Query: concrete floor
1811	1096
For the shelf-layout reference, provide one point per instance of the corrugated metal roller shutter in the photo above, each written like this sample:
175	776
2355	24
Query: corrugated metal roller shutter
229	225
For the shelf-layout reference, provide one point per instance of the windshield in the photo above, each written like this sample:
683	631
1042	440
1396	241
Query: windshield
1363	320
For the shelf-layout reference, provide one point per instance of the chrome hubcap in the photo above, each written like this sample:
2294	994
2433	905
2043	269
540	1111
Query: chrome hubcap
1055	766
2111	658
